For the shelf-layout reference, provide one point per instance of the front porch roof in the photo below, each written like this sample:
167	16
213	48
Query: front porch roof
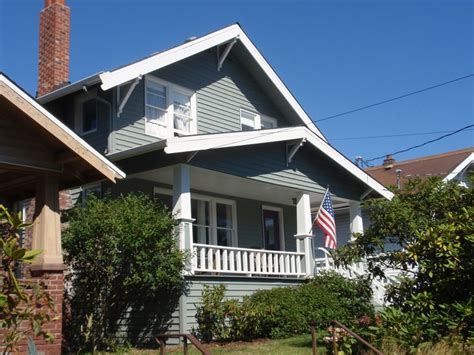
194	144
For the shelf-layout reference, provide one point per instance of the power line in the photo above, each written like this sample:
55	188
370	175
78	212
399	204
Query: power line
395	98
394	135
422	144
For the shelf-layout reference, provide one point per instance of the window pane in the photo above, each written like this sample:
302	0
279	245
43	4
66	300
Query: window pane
89	116
155	115
268	123
181	123
224	215
155	100
224	237
166	200
156	89
247	120
182	104
200	211
201	234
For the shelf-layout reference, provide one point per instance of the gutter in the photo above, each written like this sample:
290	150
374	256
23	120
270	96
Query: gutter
69	89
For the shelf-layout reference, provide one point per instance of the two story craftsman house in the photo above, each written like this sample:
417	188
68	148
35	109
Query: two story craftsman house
210	129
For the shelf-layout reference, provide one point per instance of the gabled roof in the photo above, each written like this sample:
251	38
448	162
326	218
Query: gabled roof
197	143
56	131
445	165
121	75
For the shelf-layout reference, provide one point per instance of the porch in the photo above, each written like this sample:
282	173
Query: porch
235	226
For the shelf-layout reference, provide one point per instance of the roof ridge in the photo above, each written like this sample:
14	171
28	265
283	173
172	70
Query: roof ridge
428	157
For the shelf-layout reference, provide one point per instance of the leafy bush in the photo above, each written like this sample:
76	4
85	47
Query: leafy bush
127	271
282	312
25	306
432	222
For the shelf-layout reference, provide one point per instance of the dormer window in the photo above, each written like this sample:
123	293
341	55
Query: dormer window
250	121
88	111
169	109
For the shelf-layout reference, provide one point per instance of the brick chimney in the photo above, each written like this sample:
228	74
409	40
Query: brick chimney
53	63
388	162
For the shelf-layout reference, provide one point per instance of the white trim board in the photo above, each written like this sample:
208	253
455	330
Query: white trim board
460	167
61	125
235	139
122	75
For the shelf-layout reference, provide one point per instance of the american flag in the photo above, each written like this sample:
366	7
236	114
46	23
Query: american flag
325	220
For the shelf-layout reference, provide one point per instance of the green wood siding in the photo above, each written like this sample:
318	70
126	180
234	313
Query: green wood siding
310	170
64	109
219	94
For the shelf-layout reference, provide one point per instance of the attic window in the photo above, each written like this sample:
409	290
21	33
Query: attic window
250	121
88	112
169	110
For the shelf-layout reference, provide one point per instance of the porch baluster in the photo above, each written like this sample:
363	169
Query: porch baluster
218	259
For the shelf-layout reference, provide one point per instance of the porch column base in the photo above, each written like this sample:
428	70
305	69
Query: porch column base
304	232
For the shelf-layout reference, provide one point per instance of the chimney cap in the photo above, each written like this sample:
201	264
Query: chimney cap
388	162
51	2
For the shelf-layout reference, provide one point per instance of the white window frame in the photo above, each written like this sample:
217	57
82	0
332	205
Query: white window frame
213	201
280	220
168	128
259	118
78	119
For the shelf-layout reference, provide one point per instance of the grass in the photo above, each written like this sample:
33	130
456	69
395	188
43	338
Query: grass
298	345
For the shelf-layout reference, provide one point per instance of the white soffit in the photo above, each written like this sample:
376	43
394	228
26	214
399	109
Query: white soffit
235	139
188	49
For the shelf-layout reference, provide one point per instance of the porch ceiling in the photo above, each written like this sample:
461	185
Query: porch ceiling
208	181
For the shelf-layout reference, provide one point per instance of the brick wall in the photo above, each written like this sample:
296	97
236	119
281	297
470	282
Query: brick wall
54	36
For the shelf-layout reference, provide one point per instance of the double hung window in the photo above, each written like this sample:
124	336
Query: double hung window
169	109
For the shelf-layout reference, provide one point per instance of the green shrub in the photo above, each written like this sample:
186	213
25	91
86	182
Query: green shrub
285	311
127	271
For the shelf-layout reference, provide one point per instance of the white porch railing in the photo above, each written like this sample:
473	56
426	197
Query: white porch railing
241	261
379	285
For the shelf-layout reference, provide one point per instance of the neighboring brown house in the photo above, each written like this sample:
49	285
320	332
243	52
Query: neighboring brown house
39	156
454	165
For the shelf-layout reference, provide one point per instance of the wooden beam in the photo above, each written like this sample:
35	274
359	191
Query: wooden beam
66	157
55	130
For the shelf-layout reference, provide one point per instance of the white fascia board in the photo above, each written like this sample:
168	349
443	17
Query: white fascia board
324	147
160	60
61	125
235	139
232	139
460	167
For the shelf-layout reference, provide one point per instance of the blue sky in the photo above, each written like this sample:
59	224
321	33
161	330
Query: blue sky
333	55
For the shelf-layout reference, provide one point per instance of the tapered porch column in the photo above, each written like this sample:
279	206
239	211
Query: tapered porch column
47	225
182	205
304	232
355	215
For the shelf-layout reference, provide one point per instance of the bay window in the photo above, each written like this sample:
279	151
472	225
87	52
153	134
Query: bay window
169	109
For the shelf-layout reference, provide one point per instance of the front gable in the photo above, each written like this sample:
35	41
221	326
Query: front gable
220	97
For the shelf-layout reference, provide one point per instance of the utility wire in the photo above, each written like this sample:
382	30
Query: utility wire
422	144
395	98
394	135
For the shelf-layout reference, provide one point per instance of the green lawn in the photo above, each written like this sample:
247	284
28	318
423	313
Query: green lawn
299	345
